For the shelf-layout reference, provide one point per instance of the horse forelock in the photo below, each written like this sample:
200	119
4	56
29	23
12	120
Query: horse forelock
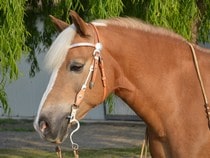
137	24
59	48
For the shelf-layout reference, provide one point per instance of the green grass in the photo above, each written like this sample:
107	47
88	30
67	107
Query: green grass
102	153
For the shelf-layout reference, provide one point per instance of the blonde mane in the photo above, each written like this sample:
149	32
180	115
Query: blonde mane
134	23
58	50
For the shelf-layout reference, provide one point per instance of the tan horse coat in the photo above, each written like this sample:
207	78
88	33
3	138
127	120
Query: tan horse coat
151	69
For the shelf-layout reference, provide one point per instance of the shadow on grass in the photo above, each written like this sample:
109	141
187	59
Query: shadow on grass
17	125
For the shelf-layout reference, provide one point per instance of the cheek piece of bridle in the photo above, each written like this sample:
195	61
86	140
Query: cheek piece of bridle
97	62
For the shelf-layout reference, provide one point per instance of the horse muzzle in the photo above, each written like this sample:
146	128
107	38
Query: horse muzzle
52	130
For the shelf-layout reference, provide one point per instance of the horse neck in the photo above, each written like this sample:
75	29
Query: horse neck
145	66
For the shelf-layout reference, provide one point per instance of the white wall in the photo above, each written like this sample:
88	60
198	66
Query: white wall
25	93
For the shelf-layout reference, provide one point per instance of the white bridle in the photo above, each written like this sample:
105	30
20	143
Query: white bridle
80	94
98	48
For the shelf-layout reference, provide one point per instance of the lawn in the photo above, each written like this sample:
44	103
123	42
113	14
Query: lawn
27	126
102	153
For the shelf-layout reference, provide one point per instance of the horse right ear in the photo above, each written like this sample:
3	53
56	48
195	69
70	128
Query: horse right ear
60	25
80	24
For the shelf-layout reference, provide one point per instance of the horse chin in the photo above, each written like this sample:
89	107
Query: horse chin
63	135
59	136
58	140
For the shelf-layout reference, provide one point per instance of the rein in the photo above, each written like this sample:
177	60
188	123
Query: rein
97	62
201	83
145	144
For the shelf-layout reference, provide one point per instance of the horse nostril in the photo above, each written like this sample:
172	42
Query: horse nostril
43	126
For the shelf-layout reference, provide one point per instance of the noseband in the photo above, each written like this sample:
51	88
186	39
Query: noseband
97	62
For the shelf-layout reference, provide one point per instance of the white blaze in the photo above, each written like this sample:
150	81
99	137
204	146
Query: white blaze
54	59
44	97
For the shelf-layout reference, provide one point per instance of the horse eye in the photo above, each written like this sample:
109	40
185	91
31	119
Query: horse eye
76	67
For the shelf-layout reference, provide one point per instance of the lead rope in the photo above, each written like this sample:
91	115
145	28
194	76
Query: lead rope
75	146
145	145
145	141
58	151
201	83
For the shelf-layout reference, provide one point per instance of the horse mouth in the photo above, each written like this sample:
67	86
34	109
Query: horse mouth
60	137
57	140
54	132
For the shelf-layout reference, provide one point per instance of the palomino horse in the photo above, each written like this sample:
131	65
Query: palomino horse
152	69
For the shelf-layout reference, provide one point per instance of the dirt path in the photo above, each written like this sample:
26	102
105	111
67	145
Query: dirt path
90	136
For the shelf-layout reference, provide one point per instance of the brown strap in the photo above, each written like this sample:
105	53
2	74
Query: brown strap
79	97
103	77
101	65
95	29
76	153
98	62
145	145
58	151
201	83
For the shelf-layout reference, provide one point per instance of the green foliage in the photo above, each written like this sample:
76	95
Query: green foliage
12	43
12	36
105	9
177	15
204	17
110	101
3	98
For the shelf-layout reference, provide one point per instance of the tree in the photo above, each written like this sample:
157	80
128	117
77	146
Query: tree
12	43
190	18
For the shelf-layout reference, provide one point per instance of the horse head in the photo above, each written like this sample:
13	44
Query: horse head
73	59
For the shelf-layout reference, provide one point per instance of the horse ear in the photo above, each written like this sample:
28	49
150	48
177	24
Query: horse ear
60	25
81	25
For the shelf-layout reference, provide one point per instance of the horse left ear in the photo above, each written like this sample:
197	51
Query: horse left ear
60	25
81	25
